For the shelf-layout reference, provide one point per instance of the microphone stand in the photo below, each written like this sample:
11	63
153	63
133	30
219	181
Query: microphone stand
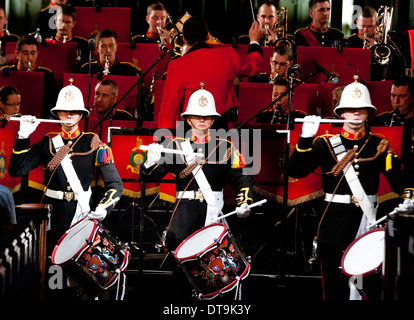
290	126
110	110
89	88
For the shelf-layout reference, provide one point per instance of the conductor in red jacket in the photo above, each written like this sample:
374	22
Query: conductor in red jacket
216	67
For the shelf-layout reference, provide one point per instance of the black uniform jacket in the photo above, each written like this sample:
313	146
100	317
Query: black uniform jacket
88	152
341	221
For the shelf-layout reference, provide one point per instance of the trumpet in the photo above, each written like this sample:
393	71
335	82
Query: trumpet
382	51
106	71
160	34
280	28
364	45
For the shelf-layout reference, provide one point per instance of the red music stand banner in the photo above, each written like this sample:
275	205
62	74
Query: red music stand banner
90	22
143	56
344	64
124	83
7	138
129	158
411	39
253	97
58	57
30	86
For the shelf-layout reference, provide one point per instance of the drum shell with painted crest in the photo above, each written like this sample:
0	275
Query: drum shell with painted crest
90	257
212	261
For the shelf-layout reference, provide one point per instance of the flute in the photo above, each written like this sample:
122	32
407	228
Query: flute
41	120
166	150
329	120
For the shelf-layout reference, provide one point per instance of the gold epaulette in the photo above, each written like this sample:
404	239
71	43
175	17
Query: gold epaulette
81	38
7	67
92	62
44	68
351	36
385	112
379	135
336	29
299	30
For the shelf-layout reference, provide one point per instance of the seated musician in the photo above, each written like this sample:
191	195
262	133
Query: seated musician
44	19
106	94
9	103
156	17
27	51
65	21
280	110
402	114
280	63
267	16
366	37
319	33
107	46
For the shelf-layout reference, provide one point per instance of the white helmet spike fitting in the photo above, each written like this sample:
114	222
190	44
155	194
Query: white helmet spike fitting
201	103
355	96
70	98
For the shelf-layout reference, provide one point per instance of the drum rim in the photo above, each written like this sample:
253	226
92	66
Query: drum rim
349	248
200	253
83	248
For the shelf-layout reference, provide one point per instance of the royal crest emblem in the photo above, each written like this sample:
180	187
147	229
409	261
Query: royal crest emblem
202	102
137	158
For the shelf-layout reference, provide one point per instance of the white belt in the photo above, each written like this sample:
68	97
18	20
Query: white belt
61	195
347	198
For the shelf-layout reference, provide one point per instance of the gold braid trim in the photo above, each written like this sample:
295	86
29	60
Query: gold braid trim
340	165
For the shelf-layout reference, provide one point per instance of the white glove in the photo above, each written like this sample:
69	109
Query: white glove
406	207
28	125
99	213
153	155
243	210
310	126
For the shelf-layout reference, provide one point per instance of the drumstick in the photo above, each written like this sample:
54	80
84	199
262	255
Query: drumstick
167	150
41	120
258	203
328	120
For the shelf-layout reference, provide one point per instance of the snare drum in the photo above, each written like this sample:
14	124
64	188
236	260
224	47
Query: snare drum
90	256
365	255
212	261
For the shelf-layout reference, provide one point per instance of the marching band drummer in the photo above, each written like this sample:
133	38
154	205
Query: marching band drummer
194	208
215	167
351	163
69	159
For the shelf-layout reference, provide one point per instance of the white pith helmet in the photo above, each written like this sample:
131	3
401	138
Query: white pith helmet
355	96
201	103
70	98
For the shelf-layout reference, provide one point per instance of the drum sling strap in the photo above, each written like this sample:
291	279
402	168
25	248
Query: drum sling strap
359	193
310	38
82	196
214	200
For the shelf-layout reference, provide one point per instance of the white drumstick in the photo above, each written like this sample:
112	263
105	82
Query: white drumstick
167	150
328	120
41	120
258	203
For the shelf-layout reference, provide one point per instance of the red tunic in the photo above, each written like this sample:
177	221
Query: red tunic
216	67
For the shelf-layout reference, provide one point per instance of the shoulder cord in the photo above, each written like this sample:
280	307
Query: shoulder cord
350	155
